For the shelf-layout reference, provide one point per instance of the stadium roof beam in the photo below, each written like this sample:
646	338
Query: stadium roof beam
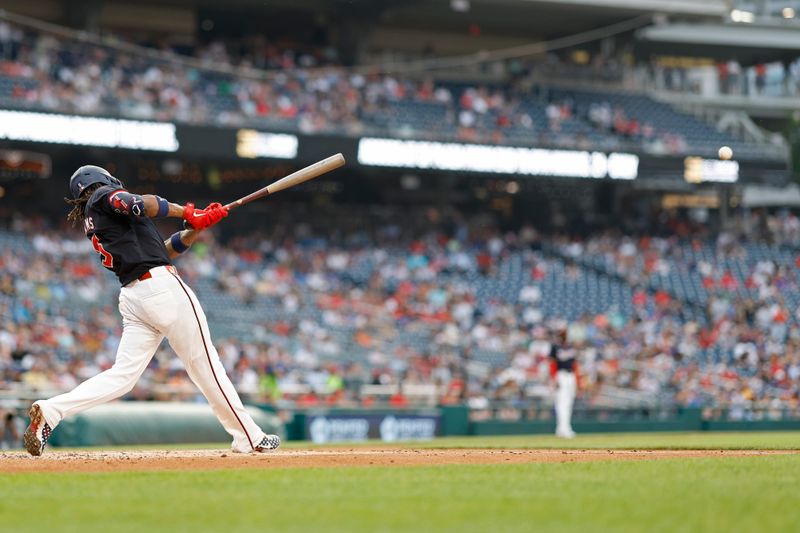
748	43
709	8
760	106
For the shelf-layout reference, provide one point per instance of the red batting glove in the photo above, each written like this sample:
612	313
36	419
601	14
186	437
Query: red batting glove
191	216
201	219
216	212
198	219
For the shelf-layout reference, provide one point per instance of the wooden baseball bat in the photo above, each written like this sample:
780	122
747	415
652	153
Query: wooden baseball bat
296	178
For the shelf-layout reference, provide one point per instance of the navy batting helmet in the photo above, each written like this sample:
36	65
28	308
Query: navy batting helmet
87	175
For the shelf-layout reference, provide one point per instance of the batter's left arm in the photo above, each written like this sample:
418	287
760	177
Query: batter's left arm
157	207
149	205
180	241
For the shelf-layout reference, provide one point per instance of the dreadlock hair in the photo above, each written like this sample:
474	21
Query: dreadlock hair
78	204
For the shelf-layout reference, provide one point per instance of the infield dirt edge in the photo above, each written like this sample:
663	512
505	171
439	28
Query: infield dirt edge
180	460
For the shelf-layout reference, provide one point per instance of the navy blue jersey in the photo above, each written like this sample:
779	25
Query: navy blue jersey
564	358
128	245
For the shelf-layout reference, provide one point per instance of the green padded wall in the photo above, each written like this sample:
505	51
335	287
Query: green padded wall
132	423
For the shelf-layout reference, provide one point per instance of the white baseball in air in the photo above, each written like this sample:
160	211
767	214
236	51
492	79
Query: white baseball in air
725	153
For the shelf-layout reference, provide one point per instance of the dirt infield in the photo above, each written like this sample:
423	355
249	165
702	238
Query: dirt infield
120	461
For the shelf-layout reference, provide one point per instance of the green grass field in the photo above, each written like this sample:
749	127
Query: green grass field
750	440
699	494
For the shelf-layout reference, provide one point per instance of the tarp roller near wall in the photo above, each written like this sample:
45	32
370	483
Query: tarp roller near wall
151	423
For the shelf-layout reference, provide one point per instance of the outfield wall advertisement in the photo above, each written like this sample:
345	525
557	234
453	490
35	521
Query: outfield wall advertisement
388	427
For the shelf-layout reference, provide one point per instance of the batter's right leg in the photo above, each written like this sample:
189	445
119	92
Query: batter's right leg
136	348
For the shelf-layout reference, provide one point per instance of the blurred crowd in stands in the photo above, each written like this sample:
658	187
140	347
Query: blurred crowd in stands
462	312
62	75
306	89
386	316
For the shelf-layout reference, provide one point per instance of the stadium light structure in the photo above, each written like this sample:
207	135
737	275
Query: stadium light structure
252	144
460	6
739	15
699	170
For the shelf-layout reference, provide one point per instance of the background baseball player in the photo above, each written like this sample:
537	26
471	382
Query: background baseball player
154	303
563	365
10	431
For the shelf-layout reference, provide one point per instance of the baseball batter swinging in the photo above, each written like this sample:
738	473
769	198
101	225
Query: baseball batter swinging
154	303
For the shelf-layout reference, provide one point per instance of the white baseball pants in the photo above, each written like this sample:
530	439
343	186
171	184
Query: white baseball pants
162	306
565	398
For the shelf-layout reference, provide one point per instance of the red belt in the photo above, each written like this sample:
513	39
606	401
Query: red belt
148	275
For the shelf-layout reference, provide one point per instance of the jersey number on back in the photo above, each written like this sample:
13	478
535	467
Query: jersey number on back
106	258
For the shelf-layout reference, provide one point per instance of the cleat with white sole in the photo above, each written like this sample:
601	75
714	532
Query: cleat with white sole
268	443
35	437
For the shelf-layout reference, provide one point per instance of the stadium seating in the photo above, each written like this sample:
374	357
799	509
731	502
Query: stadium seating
392	313
313	102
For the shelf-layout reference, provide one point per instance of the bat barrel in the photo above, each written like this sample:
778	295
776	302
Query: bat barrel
296	178
310	172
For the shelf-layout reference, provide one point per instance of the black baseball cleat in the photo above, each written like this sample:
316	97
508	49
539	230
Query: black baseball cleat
35	437
268	443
